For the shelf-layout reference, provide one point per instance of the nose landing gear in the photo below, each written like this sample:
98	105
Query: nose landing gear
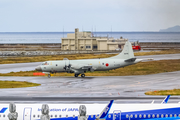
49	75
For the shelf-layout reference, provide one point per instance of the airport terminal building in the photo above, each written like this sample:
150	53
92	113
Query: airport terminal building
86	41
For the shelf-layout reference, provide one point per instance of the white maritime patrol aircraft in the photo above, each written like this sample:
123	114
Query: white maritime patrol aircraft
90	111
125	58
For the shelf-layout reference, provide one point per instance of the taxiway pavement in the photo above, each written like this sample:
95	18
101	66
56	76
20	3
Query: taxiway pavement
112	86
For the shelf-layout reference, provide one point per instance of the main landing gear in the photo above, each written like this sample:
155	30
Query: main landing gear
82	75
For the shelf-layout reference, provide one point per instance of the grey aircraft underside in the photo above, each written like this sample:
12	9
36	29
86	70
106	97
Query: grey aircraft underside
125	58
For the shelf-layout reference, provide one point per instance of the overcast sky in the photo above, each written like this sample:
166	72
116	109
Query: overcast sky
122	15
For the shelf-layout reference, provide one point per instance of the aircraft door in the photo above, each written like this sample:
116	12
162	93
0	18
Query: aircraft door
27	114
116	115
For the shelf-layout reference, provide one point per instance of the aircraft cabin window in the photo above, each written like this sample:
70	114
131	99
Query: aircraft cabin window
109	116
51	115
56	64
166	115
55	115
131	116
170	115
127	116
135	116
140	116
174	115
66	116
3	115
38	115
153	115
144	115
60	116
0	115
179	115
162	115
149	116
157	115
34	116
87	116
102	63
73	116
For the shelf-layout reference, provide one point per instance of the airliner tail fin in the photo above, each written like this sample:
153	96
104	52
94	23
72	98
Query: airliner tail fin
106	110
165	100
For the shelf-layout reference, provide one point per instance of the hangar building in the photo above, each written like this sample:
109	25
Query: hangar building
86	41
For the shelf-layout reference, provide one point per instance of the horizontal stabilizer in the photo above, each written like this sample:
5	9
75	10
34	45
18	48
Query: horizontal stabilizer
130	60
106	110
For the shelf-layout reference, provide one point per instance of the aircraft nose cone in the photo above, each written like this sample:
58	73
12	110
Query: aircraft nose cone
38	68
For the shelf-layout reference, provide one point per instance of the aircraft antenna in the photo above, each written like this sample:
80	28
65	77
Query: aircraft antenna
95	30
63	31
111	31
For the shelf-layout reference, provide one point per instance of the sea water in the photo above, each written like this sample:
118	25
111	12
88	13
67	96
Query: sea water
55	37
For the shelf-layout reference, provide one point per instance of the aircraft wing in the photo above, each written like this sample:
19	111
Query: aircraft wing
81	67
78	68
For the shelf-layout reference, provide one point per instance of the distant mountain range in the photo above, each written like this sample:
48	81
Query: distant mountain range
171	29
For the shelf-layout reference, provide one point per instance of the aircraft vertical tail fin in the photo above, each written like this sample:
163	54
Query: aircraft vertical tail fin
126	53
106	110
165	100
